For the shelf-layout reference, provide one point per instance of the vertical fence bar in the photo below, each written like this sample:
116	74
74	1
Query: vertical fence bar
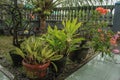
83	13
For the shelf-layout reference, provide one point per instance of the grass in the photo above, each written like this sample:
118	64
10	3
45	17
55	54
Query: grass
5	46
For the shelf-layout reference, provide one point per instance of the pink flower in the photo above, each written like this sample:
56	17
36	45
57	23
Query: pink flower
116	36
116	51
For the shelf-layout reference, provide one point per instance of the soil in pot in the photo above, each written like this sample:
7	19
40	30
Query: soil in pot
16	59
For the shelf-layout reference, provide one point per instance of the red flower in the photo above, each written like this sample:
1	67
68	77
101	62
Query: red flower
104	11
101	10
99	30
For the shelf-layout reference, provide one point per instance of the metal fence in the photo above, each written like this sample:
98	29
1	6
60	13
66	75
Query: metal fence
83	14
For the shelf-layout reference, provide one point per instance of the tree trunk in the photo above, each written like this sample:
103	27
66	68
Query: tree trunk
43	25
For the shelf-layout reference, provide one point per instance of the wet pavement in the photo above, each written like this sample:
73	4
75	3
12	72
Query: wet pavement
99	68
5	74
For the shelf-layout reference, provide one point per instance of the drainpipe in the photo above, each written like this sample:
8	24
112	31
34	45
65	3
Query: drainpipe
116	18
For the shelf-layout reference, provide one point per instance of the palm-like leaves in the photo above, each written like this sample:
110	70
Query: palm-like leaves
71	27
45	5
64	41
34	50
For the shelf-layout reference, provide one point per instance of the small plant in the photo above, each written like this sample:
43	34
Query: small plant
34	51
101	41
94	22
97	32
37	56
43	8
64	41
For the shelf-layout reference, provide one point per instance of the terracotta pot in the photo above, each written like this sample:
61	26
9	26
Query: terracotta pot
39	70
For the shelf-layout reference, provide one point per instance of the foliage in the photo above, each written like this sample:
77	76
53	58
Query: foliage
99	33
34	51
5	2
96	31
101	41
44	7
94	22
64	41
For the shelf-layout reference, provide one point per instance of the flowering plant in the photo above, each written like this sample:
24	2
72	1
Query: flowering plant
101	41
99	32
114	42
94	22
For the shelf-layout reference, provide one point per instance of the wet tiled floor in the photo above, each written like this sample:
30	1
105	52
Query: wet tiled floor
3	77
5	74
98	69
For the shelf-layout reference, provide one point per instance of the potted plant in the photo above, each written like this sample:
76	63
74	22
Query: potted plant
36	56
64	41
97	33
43	8
82	53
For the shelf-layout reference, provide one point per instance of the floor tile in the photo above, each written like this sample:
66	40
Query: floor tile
97	70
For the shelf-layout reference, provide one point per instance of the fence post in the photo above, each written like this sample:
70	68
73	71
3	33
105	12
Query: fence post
116	19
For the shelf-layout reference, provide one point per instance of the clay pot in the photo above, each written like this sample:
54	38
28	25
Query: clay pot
39	70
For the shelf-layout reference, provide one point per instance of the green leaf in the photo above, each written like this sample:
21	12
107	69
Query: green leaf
56	69
77	40
35	54
20	52
56	57
44	51
28	48
49	53
51	42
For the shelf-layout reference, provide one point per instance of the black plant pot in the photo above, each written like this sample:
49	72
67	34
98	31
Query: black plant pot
16	59
79	55
60	66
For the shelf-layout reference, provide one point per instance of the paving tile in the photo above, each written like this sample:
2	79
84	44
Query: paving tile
97	70
114	73
6	72
3	77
